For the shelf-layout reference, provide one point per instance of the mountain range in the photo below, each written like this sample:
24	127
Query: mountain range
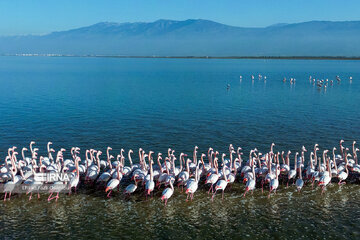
194	37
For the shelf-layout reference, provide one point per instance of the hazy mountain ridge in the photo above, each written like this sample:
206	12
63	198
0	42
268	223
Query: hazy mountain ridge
195	37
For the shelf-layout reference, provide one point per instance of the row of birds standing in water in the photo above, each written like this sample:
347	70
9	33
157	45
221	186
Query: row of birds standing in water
262	170
319	82
261	77
323	83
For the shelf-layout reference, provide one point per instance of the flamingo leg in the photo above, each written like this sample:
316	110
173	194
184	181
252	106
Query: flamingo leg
223	195
210	189
312	184
212	198
5	196
269	193
341	182
49	198
30	196
57	197
108	195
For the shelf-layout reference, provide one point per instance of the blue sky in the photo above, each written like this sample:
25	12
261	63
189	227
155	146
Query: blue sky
44	16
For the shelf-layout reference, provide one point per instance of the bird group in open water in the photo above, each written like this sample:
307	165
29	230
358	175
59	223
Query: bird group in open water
151	172
320	83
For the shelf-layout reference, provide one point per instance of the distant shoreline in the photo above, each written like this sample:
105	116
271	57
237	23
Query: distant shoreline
193	57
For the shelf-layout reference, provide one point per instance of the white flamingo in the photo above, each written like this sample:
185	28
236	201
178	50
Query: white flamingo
167	193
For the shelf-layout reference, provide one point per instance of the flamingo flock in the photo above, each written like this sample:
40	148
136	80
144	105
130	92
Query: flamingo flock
320	83
152	173
324	83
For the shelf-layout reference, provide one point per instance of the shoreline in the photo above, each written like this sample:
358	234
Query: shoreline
191	57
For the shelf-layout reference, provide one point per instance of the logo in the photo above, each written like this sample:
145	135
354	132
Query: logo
52	177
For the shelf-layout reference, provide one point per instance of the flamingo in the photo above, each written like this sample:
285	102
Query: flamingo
284	167
105	176
113	183
34	185
74	182
131	188
126	169
162	176
213	178
192	186
270	175
325	178
299	182
167	193
184	175
344	174
310	168
10	185
221	184
292	172
250	184
274	183
150	184
356	167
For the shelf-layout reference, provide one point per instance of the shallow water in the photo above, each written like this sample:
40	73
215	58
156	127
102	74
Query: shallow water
179	103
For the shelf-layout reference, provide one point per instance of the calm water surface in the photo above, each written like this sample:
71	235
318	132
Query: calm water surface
179	103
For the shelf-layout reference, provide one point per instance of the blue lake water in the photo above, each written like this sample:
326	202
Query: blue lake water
179	103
